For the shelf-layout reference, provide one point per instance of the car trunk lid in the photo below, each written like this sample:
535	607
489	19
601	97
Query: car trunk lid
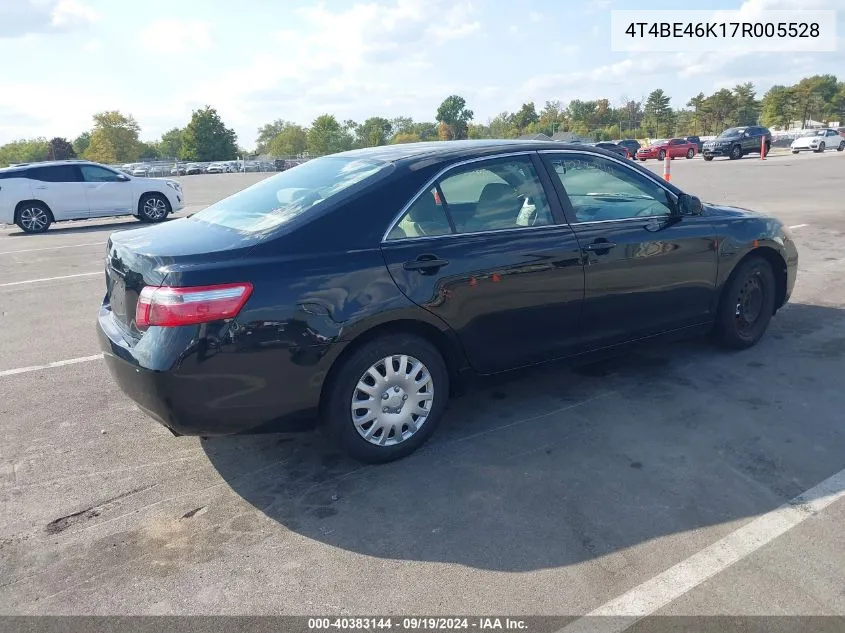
147	256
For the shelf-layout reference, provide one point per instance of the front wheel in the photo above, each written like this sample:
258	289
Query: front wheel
153	207
736	152
690	153
747	305
821	148
387	398
33	218
707	158
661	155
795	151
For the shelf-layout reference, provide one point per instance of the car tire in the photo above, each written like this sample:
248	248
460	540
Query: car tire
795	151
153	207
747	306
642	160
661	155
707	158
352	382
33	217
736	152
821	148
690	153
841	146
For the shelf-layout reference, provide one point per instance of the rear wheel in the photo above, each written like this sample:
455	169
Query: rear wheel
690	153
747	306
795	151
153	207
736	152
33	217
387	398
841	146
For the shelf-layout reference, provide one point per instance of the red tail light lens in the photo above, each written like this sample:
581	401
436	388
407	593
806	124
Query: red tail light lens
170	307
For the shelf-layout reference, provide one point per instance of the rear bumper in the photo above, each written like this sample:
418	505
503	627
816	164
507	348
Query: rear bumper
225	392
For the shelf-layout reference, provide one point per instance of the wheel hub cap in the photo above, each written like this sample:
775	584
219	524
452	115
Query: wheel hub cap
33	219
749	303
392	400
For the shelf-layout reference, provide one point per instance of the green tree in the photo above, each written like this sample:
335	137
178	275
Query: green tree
406	137
813	94
373	132
80	143
266	133
722	106
291	141
778	107
149	151
206	138
24	151
478	130
426	130
582	113
525	116
101	150
657	114
171	143
747	106
327	136
453	117
60	149
503	126
118	132
402	125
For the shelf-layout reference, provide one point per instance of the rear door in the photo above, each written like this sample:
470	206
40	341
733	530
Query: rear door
484	247
677	148
647	269
61	188
108	192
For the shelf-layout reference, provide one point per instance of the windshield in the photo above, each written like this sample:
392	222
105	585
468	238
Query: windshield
815	133
279	199
731	132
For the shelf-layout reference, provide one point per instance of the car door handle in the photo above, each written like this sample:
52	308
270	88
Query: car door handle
425	263
600	246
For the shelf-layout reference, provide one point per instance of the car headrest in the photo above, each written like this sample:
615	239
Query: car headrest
425	209
496	191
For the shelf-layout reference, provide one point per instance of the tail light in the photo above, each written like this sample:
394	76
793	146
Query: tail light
169	307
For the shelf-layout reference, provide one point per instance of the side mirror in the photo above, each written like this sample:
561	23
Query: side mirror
689	205
122	178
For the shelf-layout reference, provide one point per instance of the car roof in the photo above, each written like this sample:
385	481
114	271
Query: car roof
453	149
48	163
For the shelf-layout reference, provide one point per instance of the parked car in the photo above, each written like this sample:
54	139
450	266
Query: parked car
736	142
219	168
34	196
193	169
699	144
632	145
613	147
672	147
365	286
178	170
140	170
819	141
157	170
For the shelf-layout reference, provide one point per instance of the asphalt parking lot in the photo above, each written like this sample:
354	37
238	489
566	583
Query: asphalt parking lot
650	483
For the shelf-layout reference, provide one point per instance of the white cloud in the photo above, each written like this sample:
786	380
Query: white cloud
93	46
21	18
168	36
534	16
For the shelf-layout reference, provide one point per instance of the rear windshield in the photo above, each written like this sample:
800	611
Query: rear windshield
288	195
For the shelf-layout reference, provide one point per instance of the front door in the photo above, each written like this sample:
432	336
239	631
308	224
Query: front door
481	248
109	193
60	187
647	268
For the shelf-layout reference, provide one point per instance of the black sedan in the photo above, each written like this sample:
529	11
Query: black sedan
613	147
363	288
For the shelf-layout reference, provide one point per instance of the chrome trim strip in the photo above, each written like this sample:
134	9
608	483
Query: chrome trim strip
437	177
643	218
517	229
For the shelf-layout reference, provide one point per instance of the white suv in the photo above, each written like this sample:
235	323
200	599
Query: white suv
35	195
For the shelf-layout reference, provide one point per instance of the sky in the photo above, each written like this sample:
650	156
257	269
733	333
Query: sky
260	60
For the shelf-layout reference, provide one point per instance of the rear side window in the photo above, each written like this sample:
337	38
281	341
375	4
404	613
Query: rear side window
55	173
93	173
4	175
280	199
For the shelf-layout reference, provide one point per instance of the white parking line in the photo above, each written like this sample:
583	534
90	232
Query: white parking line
52	248
654	594
798	226
35	281
58	363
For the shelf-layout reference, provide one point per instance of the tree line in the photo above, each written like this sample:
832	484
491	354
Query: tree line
114	137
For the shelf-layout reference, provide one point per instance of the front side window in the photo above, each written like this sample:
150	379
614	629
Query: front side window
280	199
601	190
93	173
